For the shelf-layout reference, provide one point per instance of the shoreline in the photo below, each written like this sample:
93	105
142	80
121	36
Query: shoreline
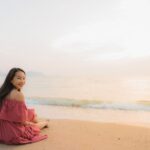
140	118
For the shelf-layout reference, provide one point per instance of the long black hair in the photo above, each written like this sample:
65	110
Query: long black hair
7	86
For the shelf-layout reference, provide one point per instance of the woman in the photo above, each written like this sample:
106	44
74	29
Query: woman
18	124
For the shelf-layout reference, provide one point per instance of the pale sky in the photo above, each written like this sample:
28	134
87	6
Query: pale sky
103	37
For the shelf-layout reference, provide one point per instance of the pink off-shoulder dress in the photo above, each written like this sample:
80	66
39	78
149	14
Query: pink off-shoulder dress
12	130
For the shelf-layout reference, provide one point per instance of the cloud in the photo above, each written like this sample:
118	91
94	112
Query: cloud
98	35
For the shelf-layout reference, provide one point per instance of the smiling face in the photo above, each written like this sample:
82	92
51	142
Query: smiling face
18	80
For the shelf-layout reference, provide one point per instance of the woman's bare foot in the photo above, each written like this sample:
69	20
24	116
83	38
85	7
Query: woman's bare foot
43	124
47	120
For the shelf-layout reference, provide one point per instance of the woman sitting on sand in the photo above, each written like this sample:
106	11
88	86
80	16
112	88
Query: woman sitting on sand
18	124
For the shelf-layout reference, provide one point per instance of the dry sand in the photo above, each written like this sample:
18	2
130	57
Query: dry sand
66	134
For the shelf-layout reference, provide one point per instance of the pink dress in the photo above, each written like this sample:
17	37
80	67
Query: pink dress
12	130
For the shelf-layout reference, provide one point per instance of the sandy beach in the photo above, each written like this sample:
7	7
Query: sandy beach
82	133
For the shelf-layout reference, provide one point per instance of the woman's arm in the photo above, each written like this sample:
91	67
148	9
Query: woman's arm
28	123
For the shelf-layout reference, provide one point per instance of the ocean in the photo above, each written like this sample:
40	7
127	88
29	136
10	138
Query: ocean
111	105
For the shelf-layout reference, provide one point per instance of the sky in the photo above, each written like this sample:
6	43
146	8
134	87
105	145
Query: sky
80	37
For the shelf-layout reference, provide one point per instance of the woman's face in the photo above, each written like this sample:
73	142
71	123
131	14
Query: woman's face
19	80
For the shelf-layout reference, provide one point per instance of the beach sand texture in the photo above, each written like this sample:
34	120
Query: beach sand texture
87	135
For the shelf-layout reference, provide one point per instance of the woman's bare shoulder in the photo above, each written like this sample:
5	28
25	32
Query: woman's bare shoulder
16	95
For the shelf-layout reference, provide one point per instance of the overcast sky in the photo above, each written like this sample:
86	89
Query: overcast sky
107	37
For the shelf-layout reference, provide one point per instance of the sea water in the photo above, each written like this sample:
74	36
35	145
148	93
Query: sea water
90	92
114	105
